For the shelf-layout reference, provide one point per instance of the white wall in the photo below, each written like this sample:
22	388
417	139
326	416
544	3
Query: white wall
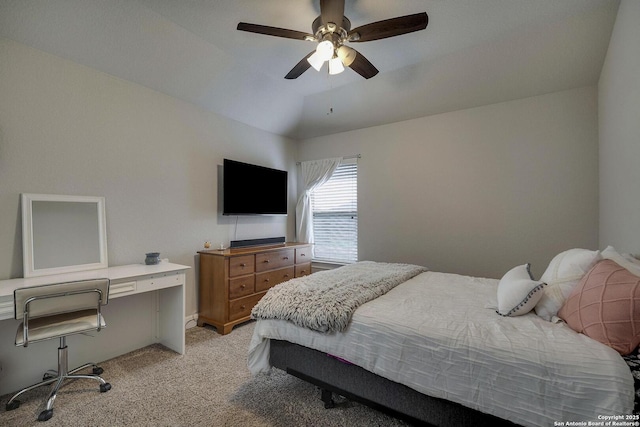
68	129
477	191
619	124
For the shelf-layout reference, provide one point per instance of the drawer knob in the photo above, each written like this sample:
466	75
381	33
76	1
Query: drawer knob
242	307
243	265
286	257
303	271
243	286
303	254
286	275
266	261
266	280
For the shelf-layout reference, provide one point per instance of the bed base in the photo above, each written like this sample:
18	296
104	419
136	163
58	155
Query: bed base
360	385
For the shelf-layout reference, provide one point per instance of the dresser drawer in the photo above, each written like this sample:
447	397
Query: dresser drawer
241	286
6	307
241	307
303	269
121	289
272	260
240	265
159	281
303	255
269	279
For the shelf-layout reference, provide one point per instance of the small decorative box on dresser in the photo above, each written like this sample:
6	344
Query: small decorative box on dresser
232	281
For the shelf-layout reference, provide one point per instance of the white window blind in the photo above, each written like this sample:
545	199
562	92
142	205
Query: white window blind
335	216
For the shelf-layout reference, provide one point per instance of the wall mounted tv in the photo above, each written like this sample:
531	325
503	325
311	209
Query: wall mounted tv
253	190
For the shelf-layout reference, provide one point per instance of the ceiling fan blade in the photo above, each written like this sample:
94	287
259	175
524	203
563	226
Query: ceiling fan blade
274	31
300	67
389	28
332	11
362	66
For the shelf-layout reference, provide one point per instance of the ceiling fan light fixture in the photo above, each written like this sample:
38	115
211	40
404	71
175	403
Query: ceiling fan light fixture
335	66
325	50
316	61
346	55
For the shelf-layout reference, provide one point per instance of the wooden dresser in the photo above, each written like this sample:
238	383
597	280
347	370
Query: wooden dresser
232	281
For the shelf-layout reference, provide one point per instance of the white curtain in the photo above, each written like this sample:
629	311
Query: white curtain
314	174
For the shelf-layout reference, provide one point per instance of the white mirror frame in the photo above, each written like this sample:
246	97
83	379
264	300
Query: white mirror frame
28	254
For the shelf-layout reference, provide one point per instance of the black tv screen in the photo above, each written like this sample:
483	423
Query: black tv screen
253	190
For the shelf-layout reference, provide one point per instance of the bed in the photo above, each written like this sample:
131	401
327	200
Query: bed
433	348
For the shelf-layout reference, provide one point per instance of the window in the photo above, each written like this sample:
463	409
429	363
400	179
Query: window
335	216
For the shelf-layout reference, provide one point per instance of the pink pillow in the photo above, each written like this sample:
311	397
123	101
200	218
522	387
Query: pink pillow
605	306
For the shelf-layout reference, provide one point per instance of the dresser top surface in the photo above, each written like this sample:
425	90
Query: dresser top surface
252	249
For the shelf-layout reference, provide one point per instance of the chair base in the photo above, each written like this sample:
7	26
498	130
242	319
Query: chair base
58	378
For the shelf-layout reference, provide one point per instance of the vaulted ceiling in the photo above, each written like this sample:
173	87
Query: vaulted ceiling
473	52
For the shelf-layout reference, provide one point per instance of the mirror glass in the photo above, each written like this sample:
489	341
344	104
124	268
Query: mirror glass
63	234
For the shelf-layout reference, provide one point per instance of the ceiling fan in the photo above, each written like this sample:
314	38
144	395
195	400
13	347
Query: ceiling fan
331	30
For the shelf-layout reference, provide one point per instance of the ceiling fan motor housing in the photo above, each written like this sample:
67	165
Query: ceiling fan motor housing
317	25
335	34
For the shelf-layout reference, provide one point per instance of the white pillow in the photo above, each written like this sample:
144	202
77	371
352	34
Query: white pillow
562	275
623	260
518	293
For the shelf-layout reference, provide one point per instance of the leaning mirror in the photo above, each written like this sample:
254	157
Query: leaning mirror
62	234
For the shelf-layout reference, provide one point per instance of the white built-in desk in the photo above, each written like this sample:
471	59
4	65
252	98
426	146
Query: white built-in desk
146	306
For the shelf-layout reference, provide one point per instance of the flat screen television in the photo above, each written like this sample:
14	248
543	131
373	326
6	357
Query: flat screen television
253	190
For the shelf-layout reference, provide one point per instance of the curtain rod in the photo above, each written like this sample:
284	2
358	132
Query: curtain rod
353	156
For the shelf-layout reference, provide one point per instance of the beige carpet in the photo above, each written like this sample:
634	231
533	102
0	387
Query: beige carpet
209	385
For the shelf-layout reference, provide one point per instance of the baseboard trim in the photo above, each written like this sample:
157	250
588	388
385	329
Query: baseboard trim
191	321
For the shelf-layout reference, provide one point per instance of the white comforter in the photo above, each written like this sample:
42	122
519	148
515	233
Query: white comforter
436	334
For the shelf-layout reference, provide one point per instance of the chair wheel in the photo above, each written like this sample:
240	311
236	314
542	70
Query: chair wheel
45	415
98	370
47	376
13	405
105	387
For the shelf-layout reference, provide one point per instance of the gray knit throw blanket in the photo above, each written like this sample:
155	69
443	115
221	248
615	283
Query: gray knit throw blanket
325	301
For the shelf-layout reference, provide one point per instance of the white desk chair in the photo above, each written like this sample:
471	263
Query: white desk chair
57	311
